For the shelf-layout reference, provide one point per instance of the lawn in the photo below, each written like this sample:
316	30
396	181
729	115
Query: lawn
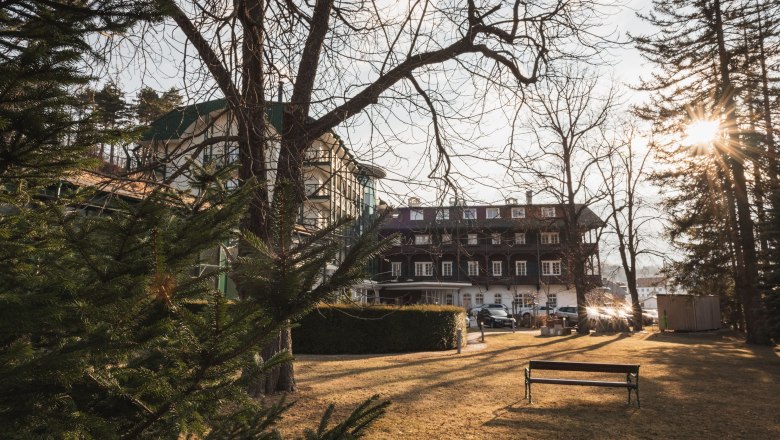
691	385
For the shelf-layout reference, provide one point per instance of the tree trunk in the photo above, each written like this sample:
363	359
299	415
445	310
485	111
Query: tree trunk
749	276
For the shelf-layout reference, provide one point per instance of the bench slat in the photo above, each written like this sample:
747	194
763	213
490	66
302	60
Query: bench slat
594	383
583	366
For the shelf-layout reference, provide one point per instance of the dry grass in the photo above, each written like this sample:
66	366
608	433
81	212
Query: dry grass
698	386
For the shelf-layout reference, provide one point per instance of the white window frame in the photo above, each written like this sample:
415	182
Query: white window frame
442	214
551	267
472	239
469	214
495	238
518	212
448	299
446	268
473	268
422	239
396	241
423	269
521	268
491	213
552	300
416	214
479	299
519	237
524	299
548	211
395	269
446	238
498	298
497	265
551	238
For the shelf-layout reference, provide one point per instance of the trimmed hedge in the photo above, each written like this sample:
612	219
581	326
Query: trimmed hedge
350	329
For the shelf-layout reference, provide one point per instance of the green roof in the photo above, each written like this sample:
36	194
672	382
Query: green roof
173	124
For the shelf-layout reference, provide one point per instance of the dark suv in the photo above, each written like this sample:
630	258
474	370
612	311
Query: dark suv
495	317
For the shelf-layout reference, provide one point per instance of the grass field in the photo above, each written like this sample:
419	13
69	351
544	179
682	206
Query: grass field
700	386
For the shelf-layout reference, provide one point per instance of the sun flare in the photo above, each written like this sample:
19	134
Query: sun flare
701	132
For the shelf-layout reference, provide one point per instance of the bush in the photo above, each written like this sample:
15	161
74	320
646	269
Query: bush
337	329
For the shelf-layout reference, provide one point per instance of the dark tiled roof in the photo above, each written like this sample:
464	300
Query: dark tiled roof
533	219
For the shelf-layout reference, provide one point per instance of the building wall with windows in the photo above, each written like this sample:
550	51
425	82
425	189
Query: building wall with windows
510	254
198	136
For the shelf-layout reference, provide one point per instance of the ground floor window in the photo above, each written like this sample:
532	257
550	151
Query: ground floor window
448	299
480	299
467	300
524	299
552	300
497	298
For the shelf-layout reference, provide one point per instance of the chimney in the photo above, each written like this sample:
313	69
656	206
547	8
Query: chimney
281	90
529	197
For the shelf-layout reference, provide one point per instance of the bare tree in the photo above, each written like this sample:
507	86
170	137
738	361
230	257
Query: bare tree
350	58
624	172
568	116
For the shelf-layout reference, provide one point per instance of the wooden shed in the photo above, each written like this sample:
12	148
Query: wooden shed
689	312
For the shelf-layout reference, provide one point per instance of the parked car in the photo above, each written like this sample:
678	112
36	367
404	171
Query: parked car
495	317
527	312
468	321
568	312
475	311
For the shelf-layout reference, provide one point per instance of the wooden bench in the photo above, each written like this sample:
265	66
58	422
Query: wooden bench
631	372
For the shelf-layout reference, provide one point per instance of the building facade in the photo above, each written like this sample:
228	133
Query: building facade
201	136
509	254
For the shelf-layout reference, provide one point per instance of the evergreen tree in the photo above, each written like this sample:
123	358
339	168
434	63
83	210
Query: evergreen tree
695	48
150	105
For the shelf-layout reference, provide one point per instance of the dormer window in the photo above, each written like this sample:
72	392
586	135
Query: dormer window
548	212
492	213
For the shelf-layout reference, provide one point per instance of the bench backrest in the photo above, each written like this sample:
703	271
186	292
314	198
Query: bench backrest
583	366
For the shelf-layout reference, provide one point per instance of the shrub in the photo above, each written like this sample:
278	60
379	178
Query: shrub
337	329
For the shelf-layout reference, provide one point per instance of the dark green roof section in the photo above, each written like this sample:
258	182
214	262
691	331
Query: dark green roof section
173	124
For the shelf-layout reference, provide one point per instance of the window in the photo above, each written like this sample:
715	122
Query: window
518	212
519	237
448	299
416	214
521	268
551	267
480	299
469	214
467	301
443	214
497	298
422	239
396	241
495	238
492	213
548	211
550	238
524	300
472	239
473	269
446	238
423	269
497	268
446	268
395	269
552	300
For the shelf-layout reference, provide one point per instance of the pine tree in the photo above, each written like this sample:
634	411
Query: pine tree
150	105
